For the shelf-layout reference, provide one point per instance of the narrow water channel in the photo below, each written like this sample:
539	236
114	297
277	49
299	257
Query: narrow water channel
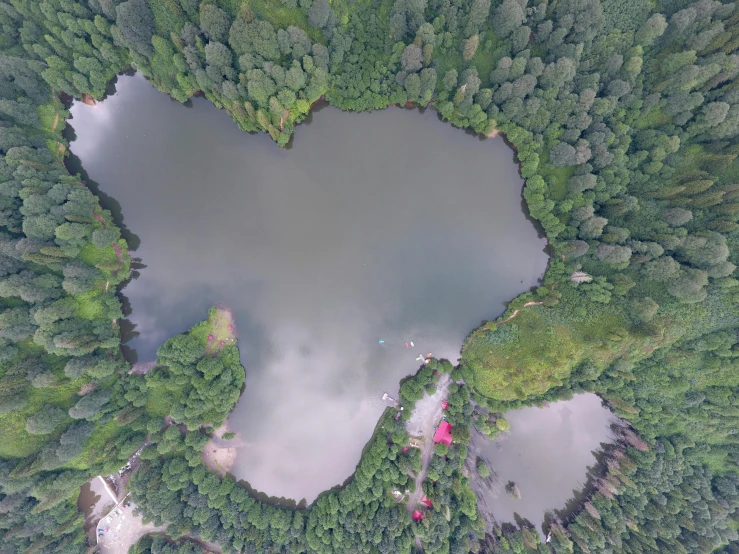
546	453
391	226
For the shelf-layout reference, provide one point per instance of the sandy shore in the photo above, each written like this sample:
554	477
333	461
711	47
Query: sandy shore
494	133
217	456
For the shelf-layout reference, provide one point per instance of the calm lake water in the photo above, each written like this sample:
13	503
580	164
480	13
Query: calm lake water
388	226
546	453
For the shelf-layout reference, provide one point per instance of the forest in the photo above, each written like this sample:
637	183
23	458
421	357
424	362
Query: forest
624	118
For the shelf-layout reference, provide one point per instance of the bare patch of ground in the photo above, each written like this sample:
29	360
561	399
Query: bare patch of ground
422	424
283	118
142	368
219	454
87	388
124	529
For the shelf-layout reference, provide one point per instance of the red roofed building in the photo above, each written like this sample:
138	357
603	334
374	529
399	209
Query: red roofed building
443	433
427	501
444	404
417	516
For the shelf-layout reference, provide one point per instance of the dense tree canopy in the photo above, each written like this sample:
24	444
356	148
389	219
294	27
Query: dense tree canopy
624	116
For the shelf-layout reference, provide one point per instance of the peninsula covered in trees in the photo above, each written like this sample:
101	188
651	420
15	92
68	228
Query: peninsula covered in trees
624	116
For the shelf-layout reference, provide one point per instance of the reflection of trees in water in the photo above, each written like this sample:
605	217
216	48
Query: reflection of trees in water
74	165
107	202
128	327
605	456
490	488
512	489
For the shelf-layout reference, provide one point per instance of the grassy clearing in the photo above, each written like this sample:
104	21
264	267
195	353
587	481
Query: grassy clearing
219	321
556	177
48	115
540	347
95	445
281	17
523	357
89	305
102	258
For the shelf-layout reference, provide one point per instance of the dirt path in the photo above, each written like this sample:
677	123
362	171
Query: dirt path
484	328
426	416
283	118
515	312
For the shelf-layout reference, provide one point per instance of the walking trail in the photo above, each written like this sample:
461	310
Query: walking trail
426	416
515	312
60	149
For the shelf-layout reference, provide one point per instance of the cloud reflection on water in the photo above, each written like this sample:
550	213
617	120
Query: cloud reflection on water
388	225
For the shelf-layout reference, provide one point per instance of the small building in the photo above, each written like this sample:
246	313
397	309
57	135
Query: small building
417	516
427	501
443	433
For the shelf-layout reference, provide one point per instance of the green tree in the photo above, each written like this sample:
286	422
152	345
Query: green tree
214	22
136	24
46	420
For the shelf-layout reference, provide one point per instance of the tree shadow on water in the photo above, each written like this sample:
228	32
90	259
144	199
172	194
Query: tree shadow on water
74	166
274	500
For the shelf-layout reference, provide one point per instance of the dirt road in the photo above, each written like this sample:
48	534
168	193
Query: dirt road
426	416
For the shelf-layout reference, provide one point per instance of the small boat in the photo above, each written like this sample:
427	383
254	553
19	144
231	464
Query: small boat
406	345
412	345
382	341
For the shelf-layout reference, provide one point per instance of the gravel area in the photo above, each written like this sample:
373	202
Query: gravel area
426	416
124	529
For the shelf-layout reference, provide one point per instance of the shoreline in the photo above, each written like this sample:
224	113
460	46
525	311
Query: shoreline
216	457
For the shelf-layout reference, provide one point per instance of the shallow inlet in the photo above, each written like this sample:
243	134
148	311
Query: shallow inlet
387	226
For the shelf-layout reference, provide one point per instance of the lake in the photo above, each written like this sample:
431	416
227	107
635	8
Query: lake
391	226
547	453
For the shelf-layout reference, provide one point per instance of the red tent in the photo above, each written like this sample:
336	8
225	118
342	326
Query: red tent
444	404
443	433
417	516
427	501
